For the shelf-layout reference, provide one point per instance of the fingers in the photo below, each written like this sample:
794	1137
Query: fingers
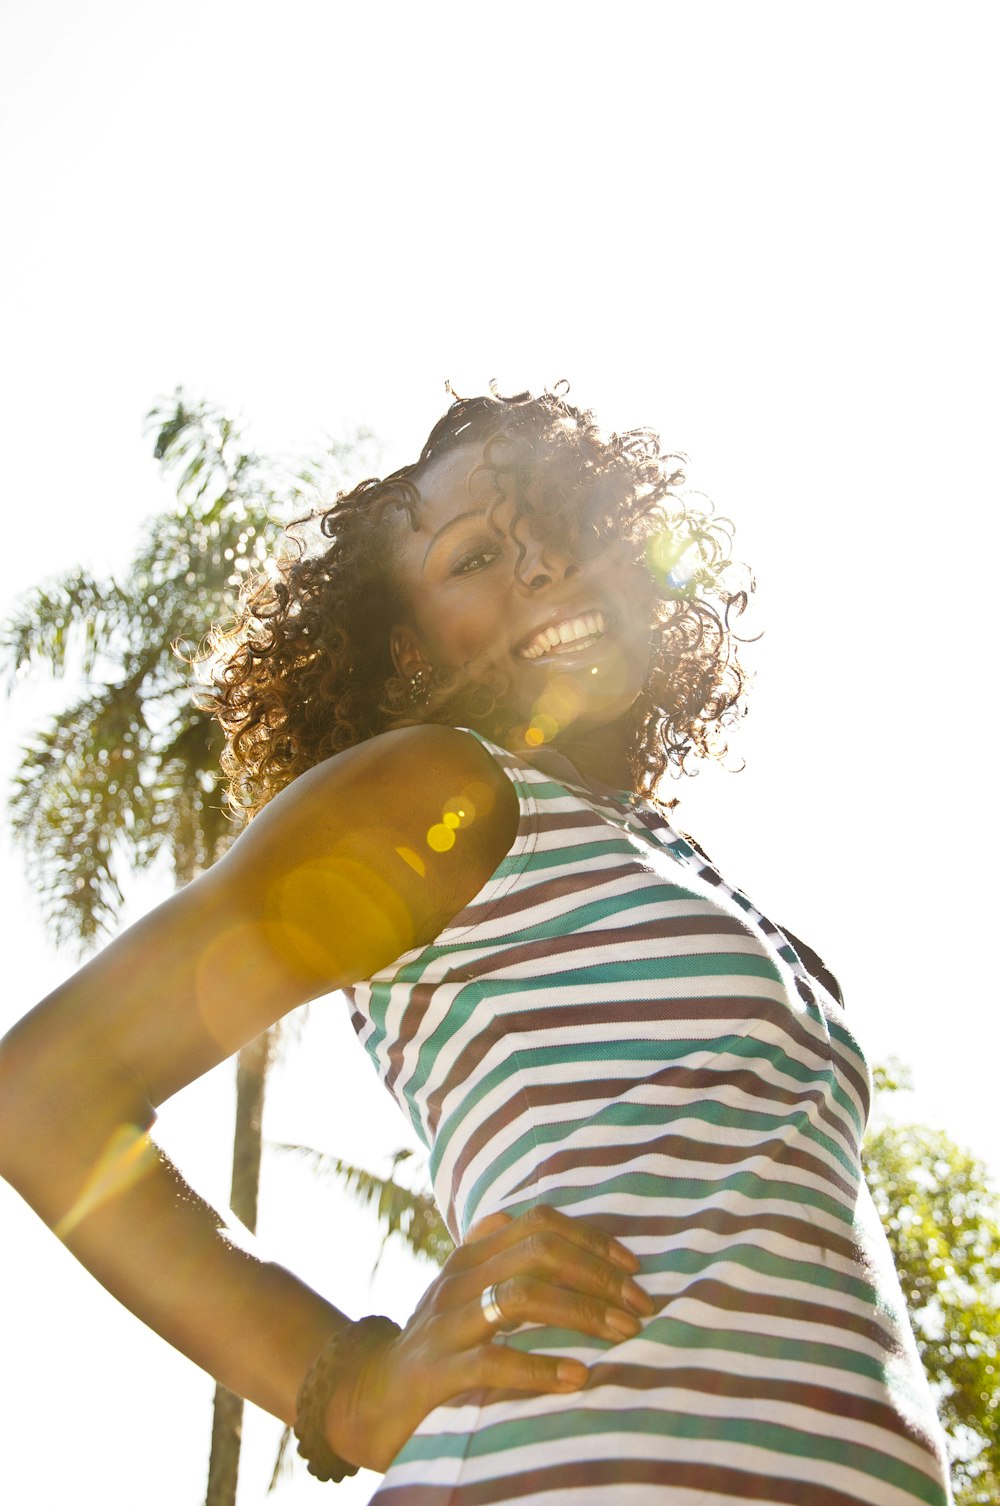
549	1256
541	1220
488	1225
528	1299
494	1366
546	1269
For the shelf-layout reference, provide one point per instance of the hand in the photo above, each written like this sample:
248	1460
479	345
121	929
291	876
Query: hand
547	1268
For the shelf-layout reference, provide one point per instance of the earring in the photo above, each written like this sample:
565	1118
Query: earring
420	686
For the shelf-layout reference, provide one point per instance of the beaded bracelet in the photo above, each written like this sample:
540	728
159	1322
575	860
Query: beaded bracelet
351	1343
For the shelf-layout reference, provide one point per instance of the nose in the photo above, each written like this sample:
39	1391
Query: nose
543	564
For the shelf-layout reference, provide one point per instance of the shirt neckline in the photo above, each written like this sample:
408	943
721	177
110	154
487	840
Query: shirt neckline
551	761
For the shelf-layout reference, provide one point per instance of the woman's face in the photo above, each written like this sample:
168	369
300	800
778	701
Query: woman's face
570	641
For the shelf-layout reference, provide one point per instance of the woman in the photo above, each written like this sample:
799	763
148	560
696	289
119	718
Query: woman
642	1101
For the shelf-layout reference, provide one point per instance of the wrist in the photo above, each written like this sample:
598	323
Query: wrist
336	1372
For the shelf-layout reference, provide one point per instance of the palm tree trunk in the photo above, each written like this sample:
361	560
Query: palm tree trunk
227	1419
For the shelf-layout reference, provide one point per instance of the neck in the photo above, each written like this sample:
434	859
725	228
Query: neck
601	752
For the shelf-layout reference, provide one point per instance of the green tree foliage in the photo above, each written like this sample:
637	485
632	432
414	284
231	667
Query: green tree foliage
943	1223
130	769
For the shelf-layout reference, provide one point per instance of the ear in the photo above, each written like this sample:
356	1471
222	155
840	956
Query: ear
406	652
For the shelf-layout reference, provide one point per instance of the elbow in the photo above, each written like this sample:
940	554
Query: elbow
62	1103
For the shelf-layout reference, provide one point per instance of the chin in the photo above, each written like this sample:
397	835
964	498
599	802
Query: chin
566	701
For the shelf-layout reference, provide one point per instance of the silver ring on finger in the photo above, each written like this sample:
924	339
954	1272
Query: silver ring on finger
493	1312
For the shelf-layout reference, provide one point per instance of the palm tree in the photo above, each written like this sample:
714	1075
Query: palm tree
129	771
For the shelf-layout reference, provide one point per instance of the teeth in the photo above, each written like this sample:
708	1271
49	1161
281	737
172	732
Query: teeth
573	630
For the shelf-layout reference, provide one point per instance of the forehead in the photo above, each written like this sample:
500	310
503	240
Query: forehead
476	475
457	481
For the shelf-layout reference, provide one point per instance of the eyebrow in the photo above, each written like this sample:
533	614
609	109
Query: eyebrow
478	512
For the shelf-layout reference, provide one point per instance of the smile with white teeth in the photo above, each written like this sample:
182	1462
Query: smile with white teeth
567	637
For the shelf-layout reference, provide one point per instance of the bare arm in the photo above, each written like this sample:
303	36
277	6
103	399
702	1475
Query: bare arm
312	896
330	883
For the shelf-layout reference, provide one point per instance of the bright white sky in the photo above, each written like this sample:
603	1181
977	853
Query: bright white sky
766	230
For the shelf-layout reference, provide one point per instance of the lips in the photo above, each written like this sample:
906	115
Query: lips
566	635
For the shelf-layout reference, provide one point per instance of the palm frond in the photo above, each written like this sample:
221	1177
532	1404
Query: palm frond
283	1461
62	625
188	790
200	441
80	795
411	1216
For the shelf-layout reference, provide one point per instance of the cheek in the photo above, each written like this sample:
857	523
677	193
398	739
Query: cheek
455	633
635	590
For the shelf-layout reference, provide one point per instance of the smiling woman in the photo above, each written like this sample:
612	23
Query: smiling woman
537	576
642	1099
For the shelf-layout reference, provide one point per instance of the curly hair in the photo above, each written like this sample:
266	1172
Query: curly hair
305	670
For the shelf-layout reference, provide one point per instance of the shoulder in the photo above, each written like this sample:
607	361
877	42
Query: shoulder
402	830
411	774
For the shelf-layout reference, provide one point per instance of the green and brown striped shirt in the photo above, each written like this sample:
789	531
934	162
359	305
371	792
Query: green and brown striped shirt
610	1028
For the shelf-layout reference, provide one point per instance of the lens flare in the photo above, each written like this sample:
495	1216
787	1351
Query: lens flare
128	1156
328	917
562	700
414	860
672	561
476	798
460	812
558	706
663	551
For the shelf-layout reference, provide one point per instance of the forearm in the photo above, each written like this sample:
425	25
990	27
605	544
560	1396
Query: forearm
79	1155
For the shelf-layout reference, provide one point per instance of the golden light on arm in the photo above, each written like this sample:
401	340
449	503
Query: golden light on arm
459	812
327	921
331	916
128	1156
413	860
441	838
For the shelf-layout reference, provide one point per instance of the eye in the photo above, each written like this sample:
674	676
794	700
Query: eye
475	559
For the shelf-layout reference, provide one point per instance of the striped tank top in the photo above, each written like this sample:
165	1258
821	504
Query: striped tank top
611	1029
